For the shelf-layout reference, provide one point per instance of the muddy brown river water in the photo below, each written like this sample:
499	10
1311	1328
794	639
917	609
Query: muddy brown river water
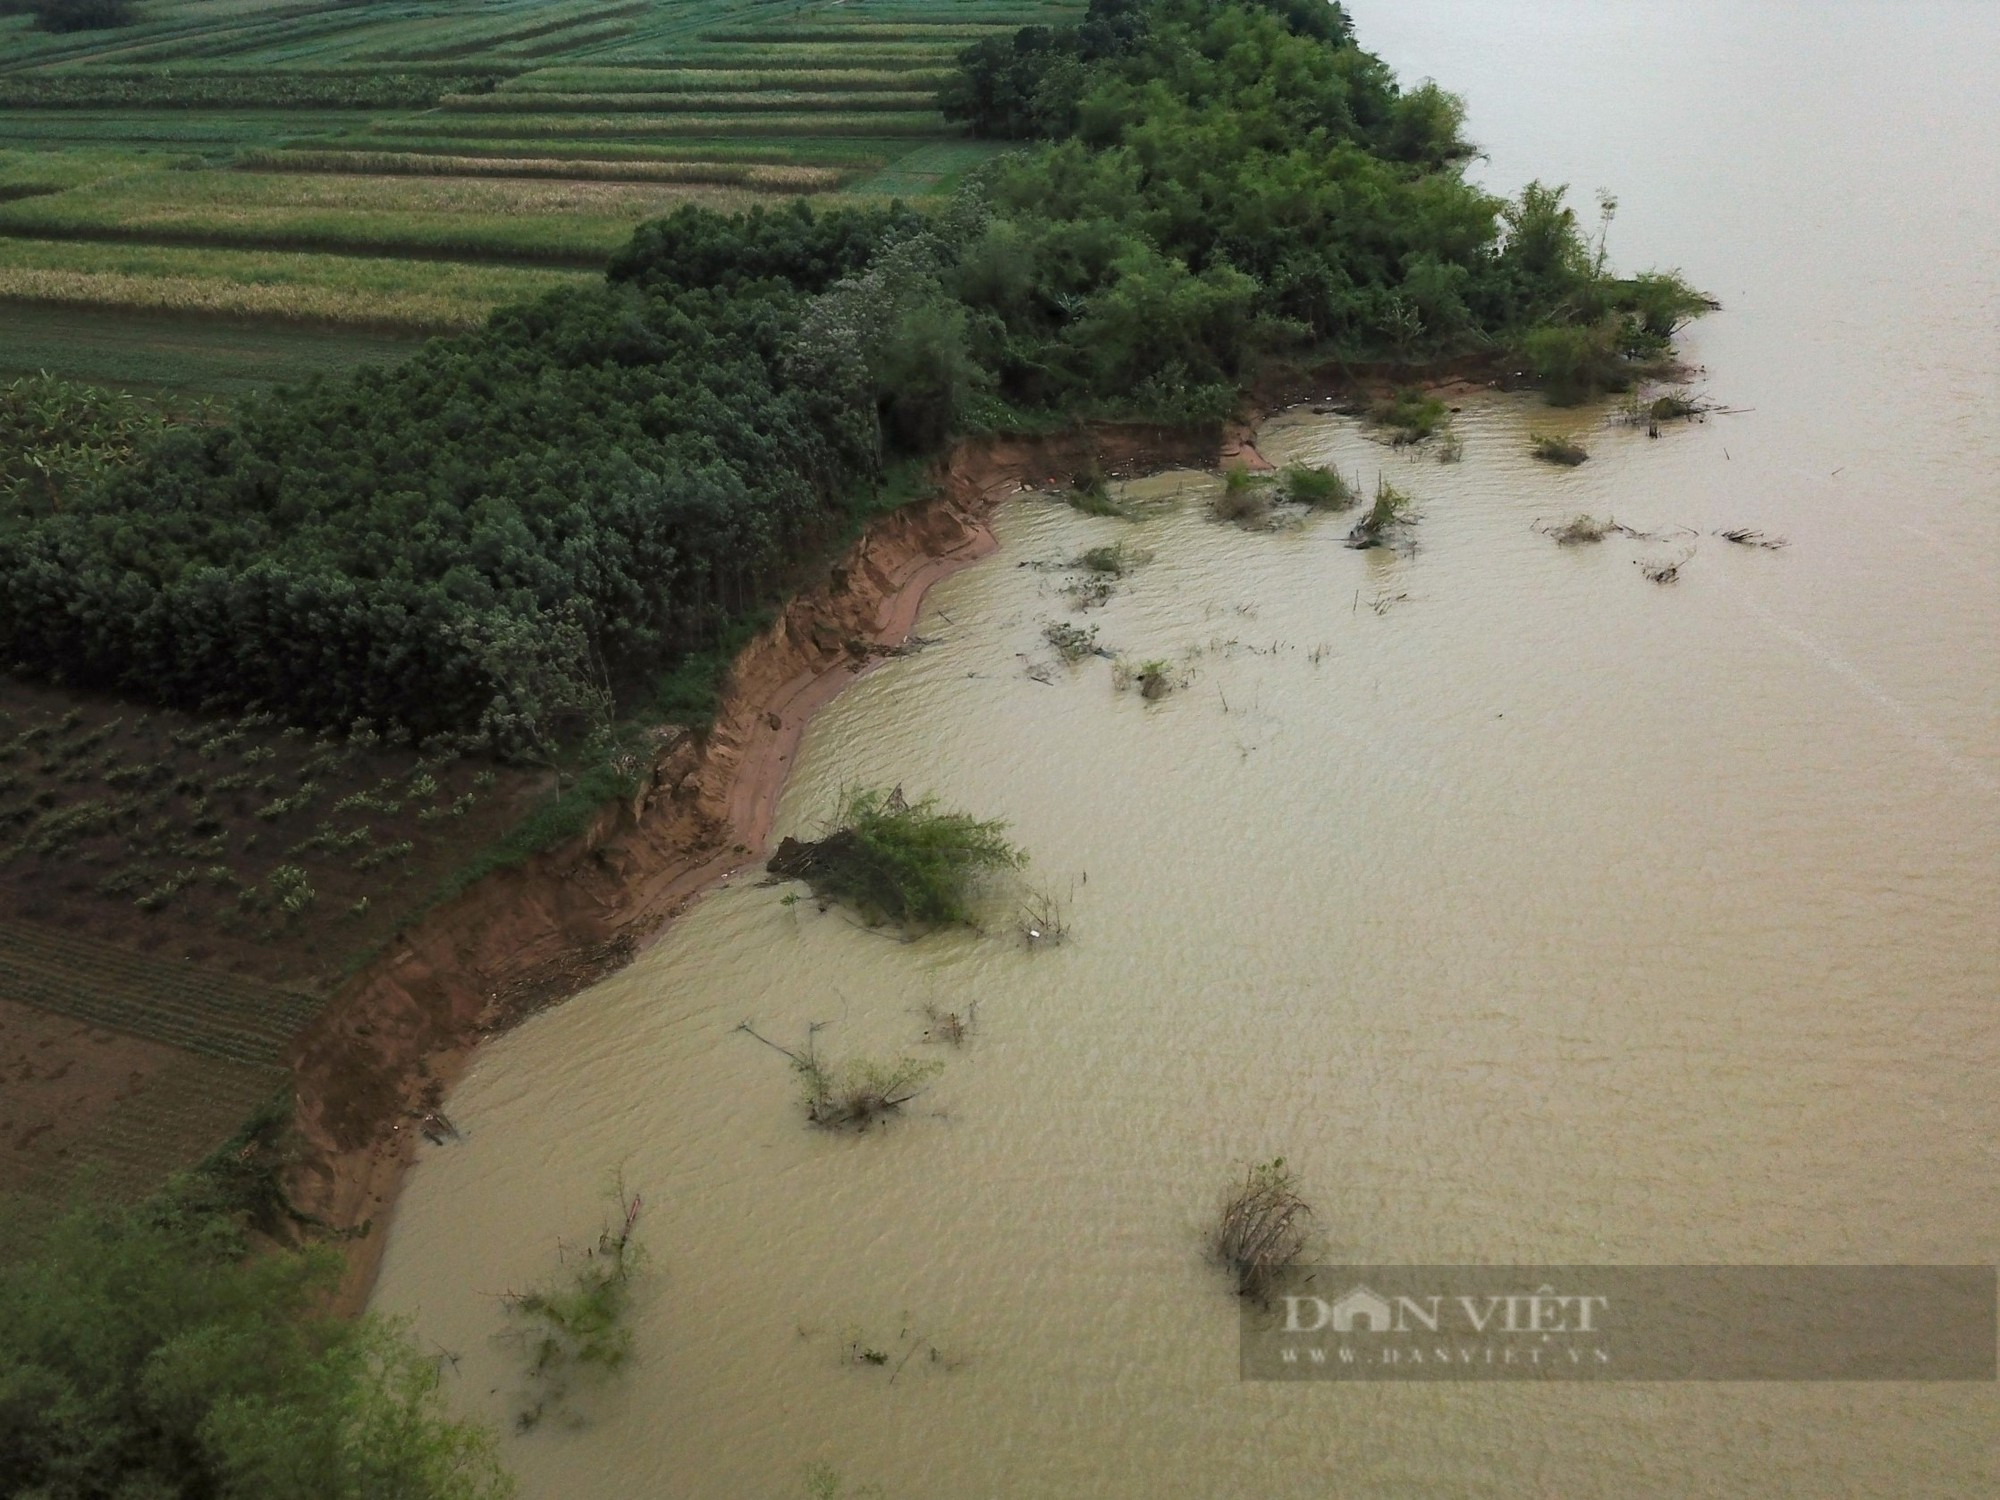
1535	912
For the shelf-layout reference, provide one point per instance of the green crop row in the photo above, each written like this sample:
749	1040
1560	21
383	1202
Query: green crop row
771	179
566	222
267	89
571	79
130	349
174	129
357	291
781	53
468	40
853	153
857	33
642	127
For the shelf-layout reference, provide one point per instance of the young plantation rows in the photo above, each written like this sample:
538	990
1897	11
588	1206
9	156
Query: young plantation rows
404	168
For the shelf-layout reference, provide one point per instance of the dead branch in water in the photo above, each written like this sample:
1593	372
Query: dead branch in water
1586	528
1743	536
1659	570
1045	920
1263	1229
949	1027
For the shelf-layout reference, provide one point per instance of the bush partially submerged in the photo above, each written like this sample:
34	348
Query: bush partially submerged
855	1094
1263	1229
1552	449
1392	508
897	861
1318	487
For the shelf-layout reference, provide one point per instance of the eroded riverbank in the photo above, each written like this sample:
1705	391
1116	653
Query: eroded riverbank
390	1046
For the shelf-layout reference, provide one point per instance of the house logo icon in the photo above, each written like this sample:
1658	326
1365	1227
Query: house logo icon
1361	1306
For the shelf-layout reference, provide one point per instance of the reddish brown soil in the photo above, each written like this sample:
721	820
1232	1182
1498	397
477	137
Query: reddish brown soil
394	1038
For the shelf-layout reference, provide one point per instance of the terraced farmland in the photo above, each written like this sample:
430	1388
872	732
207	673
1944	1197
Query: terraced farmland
330	168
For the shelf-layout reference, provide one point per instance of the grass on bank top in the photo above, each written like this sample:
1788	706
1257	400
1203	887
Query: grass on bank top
367	292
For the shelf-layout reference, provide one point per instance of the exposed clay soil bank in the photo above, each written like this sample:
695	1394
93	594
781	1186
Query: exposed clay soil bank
391	1041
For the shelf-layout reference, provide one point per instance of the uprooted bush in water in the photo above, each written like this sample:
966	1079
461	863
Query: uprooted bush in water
1745	536
1154	679
1263	1229
1392	510
574	1328
893	860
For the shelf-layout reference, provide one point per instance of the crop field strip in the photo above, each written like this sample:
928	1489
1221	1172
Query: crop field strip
377	142
222	1016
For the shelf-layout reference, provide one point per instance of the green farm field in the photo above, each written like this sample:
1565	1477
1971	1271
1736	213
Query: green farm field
311	174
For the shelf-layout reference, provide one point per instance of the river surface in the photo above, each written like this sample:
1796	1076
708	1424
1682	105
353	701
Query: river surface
1533	911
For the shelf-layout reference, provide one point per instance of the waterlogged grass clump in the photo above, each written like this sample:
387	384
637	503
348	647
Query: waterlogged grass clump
1551	449
1263	1229
1410	415
1071	642
893	860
